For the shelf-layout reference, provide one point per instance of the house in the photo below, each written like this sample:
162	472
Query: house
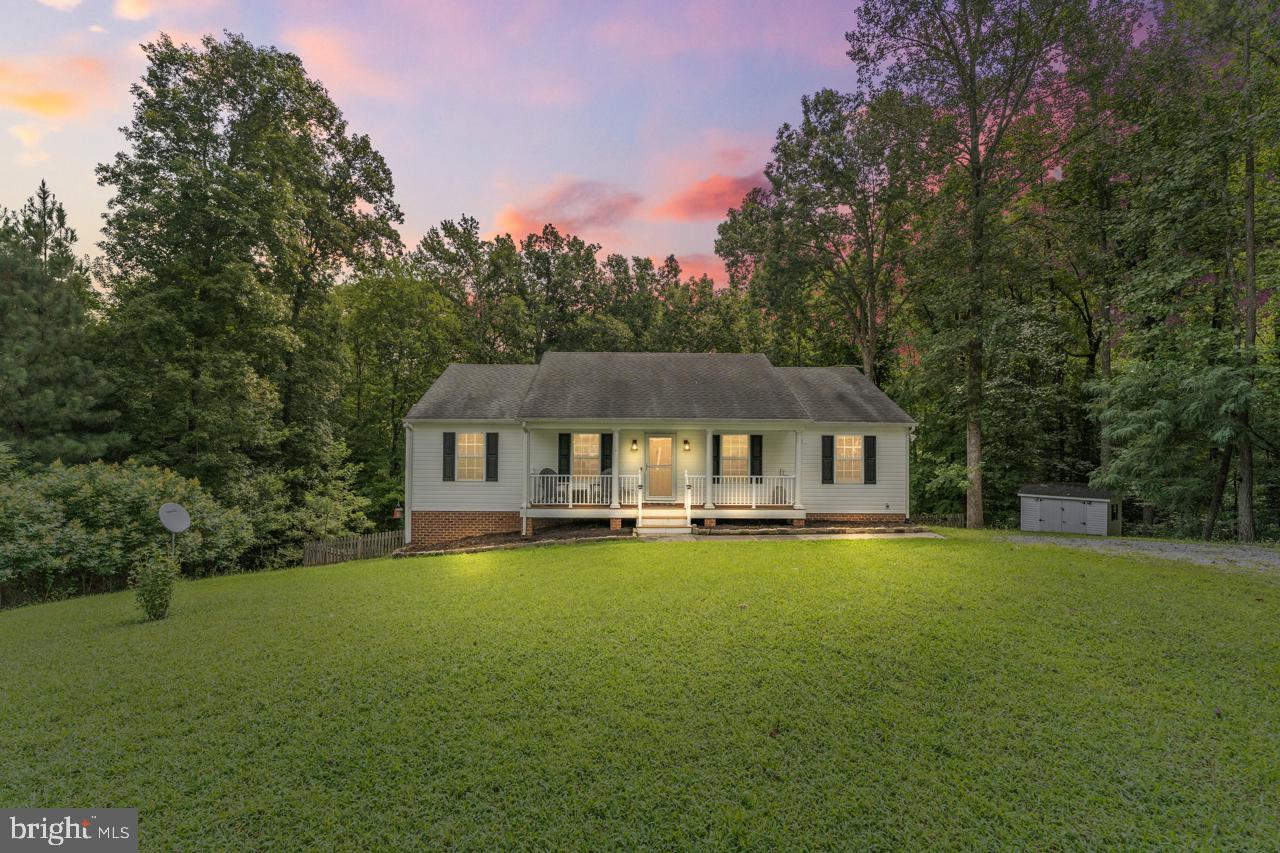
659	439
1069	508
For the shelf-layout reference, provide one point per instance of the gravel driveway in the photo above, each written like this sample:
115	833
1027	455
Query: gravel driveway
1249	558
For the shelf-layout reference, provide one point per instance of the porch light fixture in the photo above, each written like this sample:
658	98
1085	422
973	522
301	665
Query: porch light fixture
635	445
686	445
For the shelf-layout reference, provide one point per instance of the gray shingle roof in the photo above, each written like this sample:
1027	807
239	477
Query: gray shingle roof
1065	490
666	386
476	392
841	393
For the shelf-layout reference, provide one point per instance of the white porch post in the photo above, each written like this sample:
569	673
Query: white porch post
617	456
799	443
708	501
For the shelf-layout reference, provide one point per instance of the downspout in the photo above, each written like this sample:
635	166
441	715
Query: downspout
911	437
408	483
524	488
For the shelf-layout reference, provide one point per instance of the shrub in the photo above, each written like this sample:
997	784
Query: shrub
153	581
73	529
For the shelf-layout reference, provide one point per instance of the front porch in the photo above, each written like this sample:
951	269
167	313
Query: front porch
627	473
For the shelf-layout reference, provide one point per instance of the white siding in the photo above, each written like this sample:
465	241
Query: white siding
430	491
1096	518
1030	514
889	494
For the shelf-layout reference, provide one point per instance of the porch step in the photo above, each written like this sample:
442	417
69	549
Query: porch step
664	513
664	530
663	521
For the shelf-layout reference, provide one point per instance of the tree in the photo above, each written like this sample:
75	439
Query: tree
985	68
51	390
842	188
399	332
241	199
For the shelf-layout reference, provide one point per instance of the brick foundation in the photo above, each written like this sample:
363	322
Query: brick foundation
858	517
444	526
708	522
615	524
797	522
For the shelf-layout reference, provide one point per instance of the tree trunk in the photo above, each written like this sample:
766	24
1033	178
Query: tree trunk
1219	486
973	372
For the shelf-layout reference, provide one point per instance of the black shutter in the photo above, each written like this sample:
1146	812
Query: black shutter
449	439
606	452
869	460
491	457
715	455
828	459
566	452
757	455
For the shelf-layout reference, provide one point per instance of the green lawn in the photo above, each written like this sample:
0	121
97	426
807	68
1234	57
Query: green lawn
959	693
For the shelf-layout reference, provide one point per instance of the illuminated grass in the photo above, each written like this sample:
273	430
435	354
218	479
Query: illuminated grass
959	693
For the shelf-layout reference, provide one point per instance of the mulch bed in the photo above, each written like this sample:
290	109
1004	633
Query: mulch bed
562	534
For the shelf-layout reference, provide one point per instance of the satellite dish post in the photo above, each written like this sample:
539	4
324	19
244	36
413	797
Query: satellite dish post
175	519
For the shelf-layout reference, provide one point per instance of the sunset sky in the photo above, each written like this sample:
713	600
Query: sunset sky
632	124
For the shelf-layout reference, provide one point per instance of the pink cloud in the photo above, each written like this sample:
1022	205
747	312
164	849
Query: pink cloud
331	58
709	198
575	206
698	265
51	87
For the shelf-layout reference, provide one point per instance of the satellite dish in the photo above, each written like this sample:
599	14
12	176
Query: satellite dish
174	517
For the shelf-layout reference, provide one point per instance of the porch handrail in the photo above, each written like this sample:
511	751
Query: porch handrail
640	497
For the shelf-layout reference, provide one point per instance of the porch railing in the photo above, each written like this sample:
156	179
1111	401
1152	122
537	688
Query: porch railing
770	490
628	489
570	489
582	490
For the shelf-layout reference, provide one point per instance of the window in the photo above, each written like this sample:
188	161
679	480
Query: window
470	456
586	454
848	461
735	456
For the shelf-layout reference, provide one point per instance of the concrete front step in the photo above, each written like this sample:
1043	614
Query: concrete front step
663	521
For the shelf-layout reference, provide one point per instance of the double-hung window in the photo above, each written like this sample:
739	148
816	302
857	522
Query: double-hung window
586	454
735	455
470	456
848	459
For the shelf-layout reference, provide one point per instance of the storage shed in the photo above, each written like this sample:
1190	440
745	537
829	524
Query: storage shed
1069	508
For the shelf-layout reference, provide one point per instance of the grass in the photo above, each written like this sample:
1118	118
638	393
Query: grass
963	693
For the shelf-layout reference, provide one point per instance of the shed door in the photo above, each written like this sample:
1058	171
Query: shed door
1073	517
1050	516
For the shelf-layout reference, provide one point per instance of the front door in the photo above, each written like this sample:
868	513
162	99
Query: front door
658	478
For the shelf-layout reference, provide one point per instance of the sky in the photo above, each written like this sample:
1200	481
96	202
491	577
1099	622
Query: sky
634	125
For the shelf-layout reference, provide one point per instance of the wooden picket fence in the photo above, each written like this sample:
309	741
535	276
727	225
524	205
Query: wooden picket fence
955	519
345	548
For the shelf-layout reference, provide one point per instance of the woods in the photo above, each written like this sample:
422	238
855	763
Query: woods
1050	229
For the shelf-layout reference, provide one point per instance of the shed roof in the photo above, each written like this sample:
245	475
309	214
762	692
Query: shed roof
1080	491
655	386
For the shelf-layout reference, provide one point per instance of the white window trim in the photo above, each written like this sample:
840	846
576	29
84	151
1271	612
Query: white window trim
458	456
860	457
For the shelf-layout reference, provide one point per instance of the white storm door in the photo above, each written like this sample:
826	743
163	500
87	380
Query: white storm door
658	477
